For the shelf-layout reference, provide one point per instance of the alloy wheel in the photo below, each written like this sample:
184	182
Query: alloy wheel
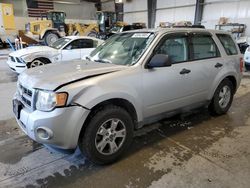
110	136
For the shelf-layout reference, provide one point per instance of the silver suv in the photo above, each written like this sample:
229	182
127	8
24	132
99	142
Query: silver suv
133	79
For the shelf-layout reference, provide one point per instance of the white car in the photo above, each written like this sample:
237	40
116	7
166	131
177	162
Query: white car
64	49
247	58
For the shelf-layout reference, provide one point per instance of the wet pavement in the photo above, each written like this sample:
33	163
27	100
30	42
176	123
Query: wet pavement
193	150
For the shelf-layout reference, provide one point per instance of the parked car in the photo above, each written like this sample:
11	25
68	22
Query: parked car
247	59
65	49
133	79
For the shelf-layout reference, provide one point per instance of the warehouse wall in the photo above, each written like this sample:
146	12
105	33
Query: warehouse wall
236	11
109	5
178	10
81	12
175	11
167	11
136	11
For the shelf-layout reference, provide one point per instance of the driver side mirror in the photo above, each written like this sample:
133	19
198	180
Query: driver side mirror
159	60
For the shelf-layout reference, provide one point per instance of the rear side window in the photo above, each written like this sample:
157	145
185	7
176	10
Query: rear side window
228	44
203	47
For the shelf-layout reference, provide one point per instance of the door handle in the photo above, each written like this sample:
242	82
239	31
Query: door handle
218	65
185	71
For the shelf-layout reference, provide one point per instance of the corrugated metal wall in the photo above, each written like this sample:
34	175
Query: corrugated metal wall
236	11
175	10
136	11
178	10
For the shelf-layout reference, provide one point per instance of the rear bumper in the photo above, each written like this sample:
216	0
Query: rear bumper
16	67
63	125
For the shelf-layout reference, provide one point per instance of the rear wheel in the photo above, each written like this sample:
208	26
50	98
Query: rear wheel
223	98
50	38
107	136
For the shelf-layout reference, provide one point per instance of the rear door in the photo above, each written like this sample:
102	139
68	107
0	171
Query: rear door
205	61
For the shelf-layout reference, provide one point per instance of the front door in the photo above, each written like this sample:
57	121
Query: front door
72	51
177	86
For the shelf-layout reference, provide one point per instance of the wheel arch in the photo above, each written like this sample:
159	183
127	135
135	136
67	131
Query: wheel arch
48	61
230	77
123	103
234	82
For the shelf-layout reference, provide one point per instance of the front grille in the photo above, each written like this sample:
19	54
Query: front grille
27	96
12	59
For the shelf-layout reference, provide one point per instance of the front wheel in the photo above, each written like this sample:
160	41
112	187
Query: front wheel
37	63
223	98
108	135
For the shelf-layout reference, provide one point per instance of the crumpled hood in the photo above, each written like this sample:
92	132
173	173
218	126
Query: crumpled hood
51	76
33	49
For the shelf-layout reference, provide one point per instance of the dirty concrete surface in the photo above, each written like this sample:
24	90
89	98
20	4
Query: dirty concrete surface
196	150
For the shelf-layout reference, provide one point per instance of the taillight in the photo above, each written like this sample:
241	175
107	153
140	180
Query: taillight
241	64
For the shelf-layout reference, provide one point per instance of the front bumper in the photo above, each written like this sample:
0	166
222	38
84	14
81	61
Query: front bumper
63	124
16	67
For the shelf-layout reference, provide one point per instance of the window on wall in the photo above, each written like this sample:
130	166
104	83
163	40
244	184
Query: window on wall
228	44
203	47
175	48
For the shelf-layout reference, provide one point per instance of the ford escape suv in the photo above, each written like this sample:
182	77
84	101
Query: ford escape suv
133	79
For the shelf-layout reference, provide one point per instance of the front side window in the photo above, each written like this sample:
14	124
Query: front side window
122	48
203	47
175	47
86	43
60	43
79	44
228	44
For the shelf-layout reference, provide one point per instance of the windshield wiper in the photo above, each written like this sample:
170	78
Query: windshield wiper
102	61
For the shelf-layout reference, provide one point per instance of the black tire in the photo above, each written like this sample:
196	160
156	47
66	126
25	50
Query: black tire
38	62
50	38
93	34
215	107
88	140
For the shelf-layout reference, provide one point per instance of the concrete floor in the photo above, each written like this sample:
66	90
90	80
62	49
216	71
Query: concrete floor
195	151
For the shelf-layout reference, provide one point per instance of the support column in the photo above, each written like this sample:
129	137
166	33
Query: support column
119	11
151	13
198	12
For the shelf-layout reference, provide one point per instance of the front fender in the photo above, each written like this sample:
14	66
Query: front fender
91	96
33	56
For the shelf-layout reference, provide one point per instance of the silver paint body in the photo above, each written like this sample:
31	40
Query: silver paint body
151	91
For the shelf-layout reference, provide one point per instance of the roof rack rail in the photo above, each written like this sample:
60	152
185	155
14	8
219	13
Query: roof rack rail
192	26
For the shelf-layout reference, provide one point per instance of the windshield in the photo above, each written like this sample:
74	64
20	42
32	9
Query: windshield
122	49
60	43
